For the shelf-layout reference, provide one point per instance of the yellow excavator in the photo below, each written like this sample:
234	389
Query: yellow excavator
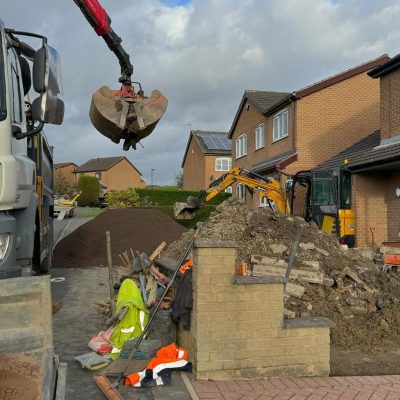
268	188
316	195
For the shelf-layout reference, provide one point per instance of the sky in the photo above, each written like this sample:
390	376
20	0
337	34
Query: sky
202	55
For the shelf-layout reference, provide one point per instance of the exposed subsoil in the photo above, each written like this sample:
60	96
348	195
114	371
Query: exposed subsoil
139	229
19	377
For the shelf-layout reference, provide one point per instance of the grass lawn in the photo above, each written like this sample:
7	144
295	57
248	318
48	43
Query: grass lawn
91	212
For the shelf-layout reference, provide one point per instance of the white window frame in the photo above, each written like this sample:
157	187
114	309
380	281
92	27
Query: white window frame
259	133
241	146
228	189
221	167
277	126
241	191
264	202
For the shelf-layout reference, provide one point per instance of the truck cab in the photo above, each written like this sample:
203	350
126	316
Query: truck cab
26	166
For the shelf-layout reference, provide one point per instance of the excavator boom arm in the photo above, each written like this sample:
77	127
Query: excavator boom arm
101	23
271	190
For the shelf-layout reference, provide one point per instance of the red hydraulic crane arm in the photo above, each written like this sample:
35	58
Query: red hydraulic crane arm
101	23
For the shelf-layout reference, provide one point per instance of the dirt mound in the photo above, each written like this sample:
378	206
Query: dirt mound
139	229
366	313
19	377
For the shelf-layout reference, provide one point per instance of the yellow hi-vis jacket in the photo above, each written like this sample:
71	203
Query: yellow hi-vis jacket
134	321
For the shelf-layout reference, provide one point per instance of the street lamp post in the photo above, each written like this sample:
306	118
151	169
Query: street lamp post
151	179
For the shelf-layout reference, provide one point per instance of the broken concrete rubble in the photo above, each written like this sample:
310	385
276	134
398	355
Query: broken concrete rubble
256	230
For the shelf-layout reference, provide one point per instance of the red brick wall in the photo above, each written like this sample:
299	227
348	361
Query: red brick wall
249	119
330	120
119	177
68	172
390	104
194	168
393	207
199	168
370	205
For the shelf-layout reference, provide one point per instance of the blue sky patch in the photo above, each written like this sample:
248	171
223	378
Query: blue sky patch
174	3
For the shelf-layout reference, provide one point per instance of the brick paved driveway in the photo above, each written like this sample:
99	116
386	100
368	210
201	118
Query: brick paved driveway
344	388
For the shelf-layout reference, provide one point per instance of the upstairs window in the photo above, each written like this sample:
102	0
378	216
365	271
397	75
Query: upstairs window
280	125
223	164
241	146
98	175
241	191
260	139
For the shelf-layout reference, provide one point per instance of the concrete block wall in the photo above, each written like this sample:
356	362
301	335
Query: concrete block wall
237	326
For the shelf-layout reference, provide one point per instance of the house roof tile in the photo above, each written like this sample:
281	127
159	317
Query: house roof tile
366	153
271	163
60	165
386	68
102	164
263	100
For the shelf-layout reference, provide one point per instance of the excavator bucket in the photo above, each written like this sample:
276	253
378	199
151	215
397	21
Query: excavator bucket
188	209
129	118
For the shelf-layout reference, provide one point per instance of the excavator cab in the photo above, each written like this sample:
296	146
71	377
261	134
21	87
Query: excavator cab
324	197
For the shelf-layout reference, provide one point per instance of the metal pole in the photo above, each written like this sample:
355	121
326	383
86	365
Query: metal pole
152	170
293	253
110	277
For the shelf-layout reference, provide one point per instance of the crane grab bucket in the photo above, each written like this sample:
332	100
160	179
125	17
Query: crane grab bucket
131	118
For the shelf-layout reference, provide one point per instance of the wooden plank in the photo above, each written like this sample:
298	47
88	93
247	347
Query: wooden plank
307	276
61	381
157	251
352	275
295	290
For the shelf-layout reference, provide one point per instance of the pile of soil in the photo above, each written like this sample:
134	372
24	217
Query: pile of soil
368	320
19	377
139	229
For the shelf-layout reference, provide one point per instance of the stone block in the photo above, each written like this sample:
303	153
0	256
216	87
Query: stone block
208	365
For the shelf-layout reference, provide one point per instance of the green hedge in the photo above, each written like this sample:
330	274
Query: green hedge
169	196
90	188
123	198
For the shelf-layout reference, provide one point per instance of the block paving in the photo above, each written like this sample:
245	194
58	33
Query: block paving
385	387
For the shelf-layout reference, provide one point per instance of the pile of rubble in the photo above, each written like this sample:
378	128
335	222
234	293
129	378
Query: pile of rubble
348	286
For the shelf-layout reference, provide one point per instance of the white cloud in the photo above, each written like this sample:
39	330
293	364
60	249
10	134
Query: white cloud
202	56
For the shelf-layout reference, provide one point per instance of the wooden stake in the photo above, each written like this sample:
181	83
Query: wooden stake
110	277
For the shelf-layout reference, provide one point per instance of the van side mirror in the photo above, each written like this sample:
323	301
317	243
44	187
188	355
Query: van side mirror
47	81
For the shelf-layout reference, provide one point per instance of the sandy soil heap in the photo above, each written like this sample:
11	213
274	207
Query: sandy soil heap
366	314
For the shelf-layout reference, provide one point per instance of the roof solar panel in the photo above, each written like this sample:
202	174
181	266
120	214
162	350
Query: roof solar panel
215	141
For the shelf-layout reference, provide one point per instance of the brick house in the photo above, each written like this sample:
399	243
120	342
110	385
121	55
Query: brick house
66	170
288	132
114	173
207	157
375	165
